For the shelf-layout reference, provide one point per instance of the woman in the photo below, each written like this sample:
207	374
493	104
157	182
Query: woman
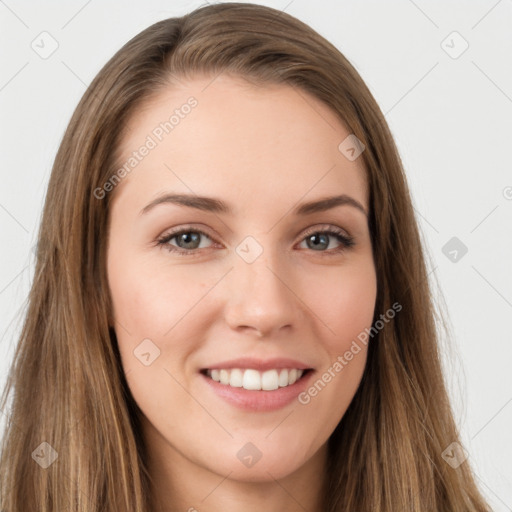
289	360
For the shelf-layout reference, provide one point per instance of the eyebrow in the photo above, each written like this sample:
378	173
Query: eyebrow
210	204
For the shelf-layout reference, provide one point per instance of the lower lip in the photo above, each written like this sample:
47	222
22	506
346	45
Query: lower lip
259	400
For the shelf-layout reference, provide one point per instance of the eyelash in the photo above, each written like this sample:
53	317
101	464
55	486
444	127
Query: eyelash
345	240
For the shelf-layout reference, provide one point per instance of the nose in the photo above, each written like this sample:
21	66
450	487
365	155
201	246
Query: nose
261	297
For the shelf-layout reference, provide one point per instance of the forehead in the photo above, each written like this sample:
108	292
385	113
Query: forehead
226	137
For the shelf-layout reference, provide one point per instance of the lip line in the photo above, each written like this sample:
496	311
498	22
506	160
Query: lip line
250	363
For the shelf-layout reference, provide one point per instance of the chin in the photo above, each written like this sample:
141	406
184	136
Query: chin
259	462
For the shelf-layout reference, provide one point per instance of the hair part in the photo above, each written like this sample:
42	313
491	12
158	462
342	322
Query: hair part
384	455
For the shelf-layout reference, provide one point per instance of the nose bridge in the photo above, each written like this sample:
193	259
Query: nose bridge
259	295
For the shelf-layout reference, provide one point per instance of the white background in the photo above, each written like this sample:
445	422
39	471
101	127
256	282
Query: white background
451	118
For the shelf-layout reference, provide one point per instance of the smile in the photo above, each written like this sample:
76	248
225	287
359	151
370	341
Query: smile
252	379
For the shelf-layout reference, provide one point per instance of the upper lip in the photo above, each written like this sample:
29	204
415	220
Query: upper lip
260	364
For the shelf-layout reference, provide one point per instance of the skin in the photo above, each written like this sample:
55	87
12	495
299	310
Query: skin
263	151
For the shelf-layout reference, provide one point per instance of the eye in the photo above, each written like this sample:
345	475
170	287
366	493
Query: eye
188	240
318	239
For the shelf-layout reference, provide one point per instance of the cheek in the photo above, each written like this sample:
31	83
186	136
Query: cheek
150	306
345	303
159	304
137	302
148	300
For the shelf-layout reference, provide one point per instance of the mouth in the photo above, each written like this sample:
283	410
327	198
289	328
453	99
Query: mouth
255	380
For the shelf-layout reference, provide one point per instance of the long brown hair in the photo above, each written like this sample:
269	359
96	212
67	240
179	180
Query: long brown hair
69	387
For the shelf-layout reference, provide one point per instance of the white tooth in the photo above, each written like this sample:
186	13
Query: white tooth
236	379
255	380
224	377
283	378
269	380
252	379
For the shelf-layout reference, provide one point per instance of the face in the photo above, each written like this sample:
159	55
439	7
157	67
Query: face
250	284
